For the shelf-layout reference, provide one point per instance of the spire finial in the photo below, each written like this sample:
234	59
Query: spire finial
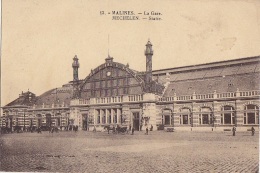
108	45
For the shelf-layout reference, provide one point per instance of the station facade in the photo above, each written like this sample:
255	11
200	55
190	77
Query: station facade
220	94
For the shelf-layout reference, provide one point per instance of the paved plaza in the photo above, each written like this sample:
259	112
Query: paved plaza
157	152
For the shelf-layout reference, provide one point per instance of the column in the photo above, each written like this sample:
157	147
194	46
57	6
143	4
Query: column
239	113
112	116
106	116
195	115
94	117
176	118
117	116
217	113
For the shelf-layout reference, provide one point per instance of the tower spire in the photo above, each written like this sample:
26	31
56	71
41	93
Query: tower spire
75	66
149	54
108	45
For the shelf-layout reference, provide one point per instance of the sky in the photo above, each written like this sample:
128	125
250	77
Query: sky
40	38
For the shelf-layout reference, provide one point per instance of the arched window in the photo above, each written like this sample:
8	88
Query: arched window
251	114
205	116
227	115
185	116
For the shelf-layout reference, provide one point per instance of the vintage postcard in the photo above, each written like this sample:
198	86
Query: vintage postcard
130	86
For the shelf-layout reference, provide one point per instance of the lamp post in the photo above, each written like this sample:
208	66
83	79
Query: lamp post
23	120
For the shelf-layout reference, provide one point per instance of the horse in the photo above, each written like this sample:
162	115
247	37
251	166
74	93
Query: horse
121	129
17	129
6	130
108	128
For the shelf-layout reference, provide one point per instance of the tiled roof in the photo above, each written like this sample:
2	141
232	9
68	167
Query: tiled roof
24	99
210	70
57	96
229	83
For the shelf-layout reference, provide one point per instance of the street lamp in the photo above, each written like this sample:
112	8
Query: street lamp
23	120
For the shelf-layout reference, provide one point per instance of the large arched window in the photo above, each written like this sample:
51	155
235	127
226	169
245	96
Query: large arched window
227	115
185	116
205	116
251	115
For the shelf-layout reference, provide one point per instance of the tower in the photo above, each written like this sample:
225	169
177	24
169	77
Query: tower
149	54
75	66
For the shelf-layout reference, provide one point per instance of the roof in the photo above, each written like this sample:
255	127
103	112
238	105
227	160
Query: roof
254	59
243	82
202	72
58	96
25	99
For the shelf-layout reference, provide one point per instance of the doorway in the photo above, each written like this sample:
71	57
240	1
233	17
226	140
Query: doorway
205	119
136	120
48	120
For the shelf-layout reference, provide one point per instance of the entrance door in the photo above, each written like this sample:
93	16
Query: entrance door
48	120
167	120
136	121
205	119
85	122
39	122
58	121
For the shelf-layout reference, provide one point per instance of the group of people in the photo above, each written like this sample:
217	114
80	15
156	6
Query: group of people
132	129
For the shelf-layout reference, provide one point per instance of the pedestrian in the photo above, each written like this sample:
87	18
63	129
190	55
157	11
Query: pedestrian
108	128
253	131
129	129
114	129
151	129
146	131
133	130
234	131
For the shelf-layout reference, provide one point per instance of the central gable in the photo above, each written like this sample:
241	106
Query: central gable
111	79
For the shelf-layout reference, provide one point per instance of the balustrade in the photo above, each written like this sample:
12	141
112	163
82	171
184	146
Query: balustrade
211	96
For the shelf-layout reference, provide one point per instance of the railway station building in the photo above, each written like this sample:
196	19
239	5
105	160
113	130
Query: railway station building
213	95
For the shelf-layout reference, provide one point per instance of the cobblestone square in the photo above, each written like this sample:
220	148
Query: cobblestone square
157	152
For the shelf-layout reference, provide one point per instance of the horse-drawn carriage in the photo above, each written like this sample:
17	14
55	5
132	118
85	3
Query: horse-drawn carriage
18	129
6	130
116	130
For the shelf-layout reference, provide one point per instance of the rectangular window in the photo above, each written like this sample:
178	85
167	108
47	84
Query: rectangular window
108	83
115	82
98	119
251	118
104	119
166	120
185	119
115	118
227	118
205	119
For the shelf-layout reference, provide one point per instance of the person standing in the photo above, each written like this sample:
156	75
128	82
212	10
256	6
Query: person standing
234	131
151	129
253	131
146	131
130	128
133	130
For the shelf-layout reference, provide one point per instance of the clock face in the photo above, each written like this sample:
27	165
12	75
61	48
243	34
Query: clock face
108	73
